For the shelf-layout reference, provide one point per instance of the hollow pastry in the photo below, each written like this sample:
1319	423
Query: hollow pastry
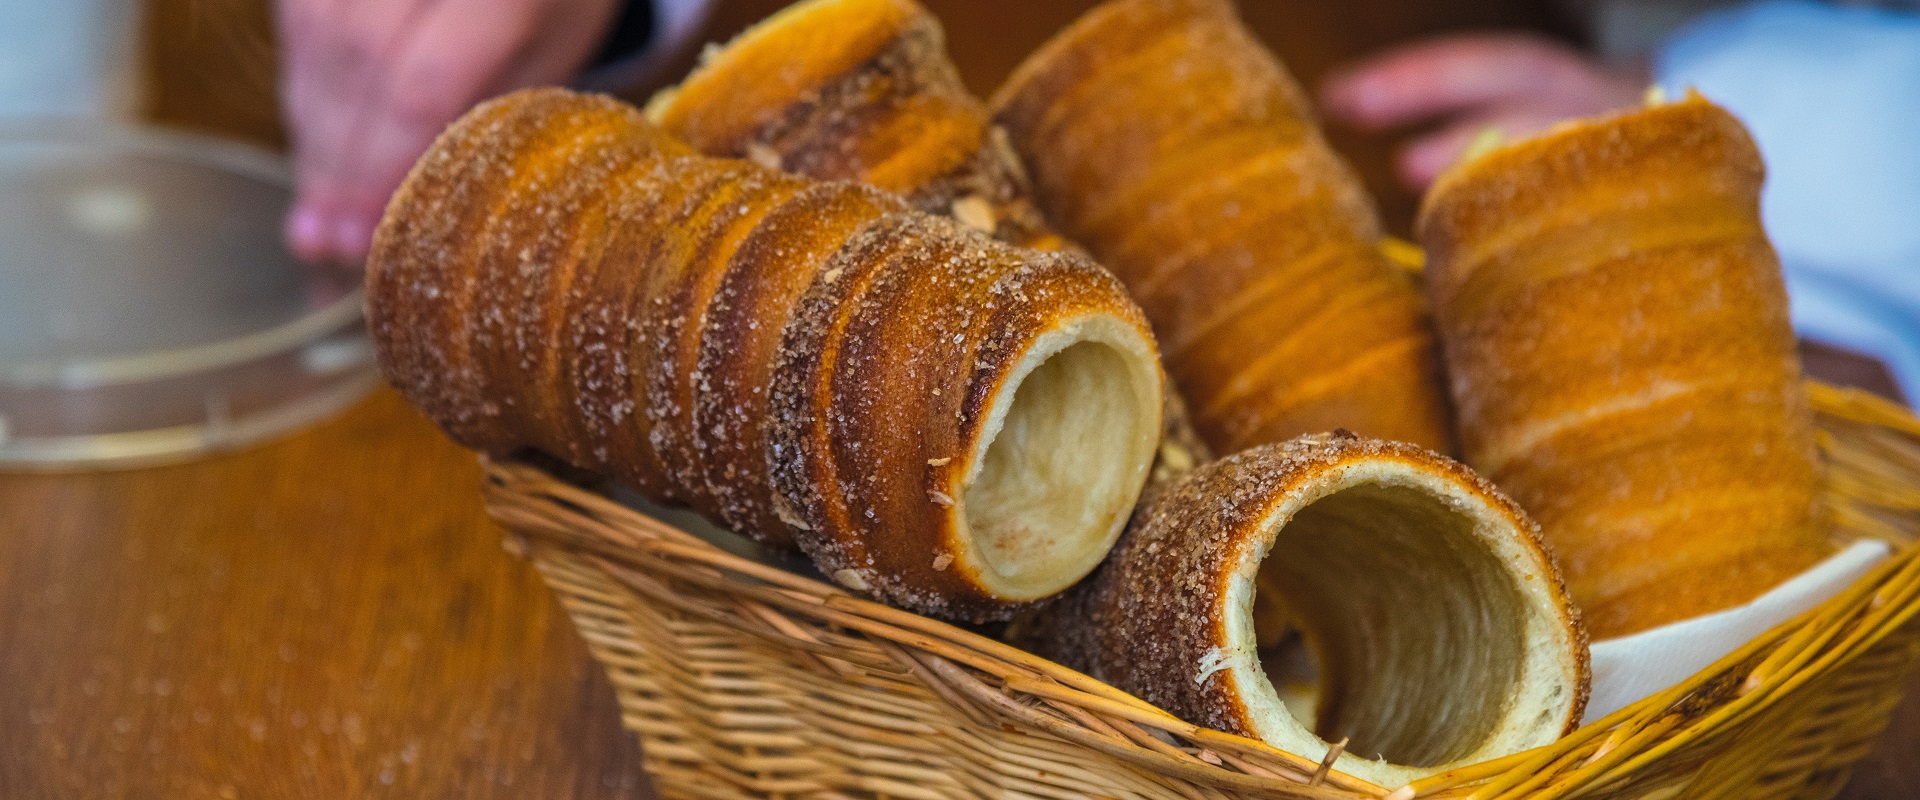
1162	136
863	90
1616	329
1439	623
858	90
942	420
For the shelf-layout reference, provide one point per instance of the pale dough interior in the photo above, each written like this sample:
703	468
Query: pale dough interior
1435	632
1067	445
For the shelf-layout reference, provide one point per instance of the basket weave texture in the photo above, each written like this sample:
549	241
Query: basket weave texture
746	680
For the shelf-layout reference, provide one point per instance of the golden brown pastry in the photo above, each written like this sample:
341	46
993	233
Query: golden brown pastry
858	90
1616	329
1440	626
950	423
863	90
1164	138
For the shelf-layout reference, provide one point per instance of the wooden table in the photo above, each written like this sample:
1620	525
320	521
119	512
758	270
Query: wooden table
331	615
327	616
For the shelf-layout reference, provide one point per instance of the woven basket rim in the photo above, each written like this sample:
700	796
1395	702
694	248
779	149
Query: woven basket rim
618	538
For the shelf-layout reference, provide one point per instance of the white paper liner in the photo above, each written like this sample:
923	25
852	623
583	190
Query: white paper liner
1632	667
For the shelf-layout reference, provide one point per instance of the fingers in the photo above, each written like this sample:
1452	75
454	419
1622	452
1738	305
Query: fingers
312	115
1423	159
1521	84
370	83
445	62
1444	76
333	55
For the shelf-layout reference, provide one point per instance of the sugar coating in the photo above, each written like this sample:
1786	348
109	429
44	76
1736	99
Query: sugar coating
1152	621
1623	361
789	357
1163	136
895	115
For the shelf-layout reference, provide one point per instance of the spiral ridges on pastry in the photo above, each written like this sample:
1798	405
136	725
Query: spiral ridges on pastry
802	361
1164	138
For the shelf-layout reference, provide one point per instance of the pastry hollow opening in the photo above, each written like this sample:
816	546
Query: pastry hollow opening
1063	463
1413	622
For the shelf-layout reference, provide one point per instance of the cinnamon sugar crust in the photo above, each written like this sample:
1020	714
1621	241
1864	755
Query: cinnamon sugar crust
858	90
1616	326
984	304
1162	136
863	90
1443	631
789	357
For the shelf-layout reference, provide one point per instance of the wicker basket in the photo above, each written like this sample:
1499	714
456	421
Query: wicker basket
746	680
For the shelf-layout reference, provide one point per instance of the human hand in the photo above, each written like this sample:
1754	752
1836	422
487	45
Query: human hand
1519	84
367	85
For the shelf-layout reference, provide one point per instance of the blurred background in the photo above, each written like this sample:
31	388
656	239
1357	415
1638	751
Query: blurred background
214	66
330	614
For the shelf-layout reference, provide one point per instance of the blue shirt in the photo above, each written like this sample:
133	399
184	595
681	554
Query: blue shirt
1832	95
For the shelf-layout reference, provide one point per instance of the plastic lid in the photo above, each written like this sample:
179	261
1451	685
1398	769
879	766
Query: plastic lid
148	310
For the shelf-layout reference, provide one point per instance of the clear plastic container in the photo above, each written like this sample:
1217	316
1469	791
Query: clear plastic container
148	310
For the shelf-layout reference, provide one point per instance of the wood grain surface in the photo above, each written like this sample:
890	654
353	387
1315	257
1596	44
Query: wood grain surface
327	616
331	616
